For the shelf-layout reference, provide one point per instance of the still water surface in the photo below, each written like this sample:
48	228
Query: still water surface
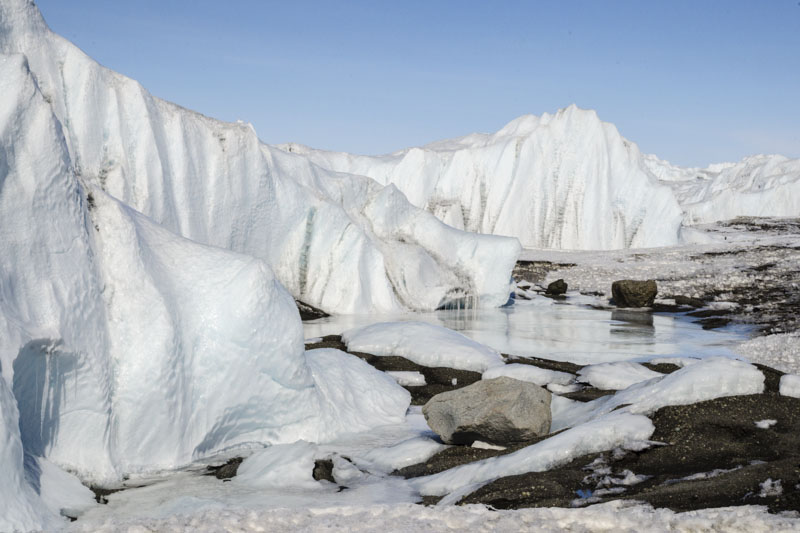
564	331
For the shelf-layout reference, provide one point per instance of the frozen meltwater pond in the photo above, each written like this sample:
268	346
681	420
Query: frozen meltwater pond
570	331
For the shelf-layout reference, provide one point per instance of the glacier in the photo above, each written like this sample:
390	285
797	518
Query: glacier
570	181
150	257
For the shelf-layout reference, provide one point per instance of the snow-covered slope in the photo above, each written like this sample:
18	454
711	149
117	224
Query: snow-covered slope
342	243
571	181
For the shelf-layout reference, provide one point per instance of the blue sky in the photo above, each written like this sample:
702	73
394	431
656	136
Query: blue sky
694	82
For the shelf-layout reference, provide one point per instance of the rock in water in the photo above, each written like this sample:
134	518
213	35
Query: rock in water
499	411
557	288
634	293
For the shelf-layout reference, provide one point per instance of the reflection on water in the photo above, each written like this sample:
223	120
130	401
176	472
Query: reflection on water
562	331
633	318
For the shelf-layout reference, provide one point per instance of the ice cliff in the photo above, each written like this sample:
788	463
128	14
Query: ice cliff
571	181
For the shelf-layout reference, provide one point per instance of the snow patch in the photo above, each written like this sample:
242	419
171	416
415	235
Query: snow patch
780	351
616	376
422	343
530	373
486	446
770	488
714	377
407	378
790	385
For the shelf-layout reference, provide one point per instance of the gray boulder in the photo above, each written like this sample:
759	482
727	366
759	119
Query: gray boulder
633	293
500	411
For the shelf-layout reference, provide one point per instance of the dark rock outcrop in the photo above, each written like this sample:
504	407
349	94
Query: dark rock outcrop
634	293
557	288
226	471
323	470
309	312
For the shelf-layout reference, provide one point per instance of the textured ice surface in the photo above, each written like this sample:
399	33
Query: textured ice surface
21	509
354	397
422	343
280	466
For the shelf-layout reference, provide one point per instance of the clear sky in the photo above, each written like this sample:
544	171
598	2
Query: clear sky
694	82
